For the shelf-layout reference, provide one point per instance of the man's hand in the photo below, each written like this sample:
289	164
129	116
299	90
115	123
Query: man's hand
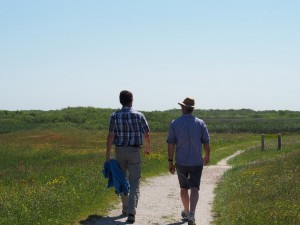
108	158
206	159
147	150
147	142
207	153
171	168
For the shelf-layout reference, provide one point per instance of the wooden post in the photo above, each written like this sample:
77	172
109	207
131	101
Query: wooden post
279	141
262	142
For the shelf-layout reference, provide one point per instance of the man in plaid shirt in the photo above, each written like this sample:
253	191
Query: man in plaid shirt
127	130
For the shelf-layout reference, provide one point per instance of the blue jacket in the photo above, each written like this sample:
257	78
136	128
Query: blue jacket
116	177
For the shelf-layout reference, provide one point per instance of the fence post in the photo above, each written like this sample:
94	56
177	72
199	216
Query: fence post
279	141
262	142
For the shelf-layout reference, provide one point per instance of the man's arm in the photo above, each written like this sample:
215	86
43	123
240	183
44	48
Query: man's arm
109	143
147	142
207	153
171	148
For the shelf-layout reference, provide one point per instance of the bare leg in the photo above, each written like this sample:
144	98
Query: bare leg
194	199
184	194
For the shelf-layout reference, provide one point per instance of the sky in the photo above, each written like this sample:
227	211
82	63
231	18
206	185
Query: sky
233	54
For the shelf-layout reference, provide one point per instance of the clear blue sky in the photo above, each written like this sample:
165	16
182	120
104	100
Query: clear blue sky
229	54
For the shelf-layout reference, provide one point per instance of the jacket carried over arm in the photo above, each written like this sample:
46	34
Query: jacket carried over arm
116	177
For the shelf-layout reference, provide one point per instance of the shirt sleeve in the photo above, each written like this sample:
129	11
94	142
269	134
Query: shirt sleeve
171	136
144	124
205	139
112	123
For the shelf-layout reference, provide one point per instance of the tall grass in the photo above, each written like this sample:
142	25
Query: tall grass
262	188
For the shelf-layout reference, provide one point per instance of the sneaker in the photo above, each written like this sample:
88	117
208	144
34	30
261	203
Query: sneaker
131	218
184	216
191	221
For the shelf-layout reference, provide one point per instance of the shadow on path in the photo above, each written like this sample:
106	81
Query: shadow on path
103	220
179	223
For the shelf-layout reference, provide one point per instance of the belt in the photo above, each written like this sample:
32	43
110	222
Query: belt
133	146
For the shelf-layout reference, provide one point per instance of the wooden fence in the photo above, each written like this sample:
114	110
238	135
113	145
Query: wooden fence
279	142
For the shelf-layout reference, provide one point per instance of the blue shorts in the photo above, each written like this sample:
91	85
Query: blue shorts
189	176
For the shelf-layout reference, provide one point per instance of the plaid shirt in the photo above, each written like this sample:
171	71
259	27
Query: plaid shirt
128	126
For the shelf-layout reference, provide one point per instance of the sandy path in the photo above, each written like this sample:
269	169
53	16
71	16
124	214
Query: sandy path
160	202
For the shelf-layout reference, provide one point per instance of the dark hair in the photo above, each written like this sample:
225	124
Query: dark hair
187	110
126	98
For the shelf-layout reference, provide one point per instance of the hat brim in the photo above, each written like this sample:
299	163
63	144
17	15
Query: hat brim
188	106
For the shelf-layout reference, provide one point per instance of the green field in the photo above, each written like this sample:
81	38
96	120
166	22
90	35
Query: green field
53	176
50	172
262	188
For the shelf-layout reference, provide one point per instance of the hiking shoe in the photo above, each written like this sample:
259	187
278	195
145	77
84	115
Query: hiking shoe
184	216
191	221
131	218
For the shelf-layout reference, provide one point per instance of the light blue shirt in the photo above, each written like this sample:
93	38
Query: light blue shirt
188	133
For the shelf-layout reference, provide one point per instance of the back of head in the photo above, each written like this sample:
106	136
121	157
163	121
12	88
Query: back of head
187	110
187	105
126	98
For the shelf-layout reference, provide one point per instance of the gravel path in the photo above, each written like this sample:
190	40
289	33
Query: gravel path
160	202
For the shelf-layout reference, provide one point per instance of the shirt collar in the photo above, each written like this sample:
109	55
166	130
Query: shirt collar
187	115
126	108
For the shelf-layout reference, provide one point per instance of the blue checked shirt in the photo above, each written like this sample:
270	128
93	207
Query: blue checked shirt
128	125
188	133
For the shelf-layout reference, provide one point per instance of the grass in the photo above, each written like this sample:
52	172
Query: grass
262	188
47	177
224	144
53	176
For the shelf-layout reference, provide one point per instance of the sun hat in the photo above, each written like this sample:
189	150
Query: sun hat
188	102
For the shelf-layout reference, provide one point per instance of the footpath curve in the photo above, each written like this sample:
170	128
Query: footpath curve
160	202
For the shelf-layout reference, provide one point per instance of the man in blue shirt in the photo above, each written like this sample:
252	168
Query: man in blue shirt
188	133
127	130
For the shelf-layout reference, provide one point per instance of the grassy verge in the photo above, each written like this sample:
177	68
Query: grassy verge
262	188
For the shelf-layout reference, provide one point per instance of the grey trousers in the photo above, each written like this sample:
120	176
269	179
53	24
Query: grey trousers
130	161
